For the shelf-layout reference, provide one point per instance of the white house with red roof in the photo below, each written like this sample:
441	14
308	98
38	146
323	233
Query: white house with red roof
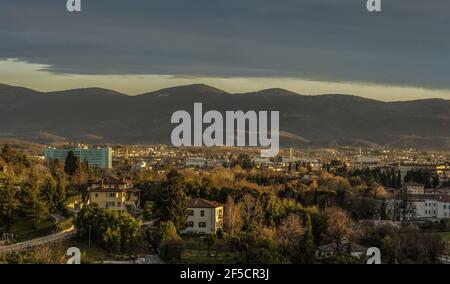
204	216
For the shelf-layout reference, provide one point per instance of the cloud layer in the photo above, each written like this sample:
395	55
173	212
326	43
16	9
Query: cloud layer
407	44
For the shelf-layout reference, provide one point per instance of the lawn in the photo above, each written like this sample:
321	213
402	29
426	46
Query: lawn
445	236
190	256
195	251
93	254
23	229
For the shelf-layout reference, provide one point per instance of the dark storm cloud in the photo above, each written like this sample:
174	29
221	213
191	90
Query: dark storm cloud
336	40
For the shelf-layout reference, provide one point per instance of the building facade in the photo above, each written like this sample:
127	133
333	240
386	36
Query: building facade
420	208
204	216
415	188
96	157
114	193
443	172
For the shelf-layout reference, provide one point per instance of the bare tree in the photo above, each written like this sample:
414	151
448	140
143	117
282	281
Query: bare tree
252	212
338	226
290	230
233	216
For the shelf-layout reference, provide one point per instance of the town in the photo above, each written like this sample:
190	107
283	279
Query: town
223	205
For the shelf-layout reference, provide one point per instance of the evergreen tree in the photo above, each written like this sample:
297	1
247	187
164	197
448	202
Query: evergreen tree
71	163
61	182
173	201
307	243
49	190
8	205
34	207
398	183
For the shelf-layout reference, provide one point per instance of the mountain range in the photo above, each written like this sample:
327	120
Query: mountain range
101	116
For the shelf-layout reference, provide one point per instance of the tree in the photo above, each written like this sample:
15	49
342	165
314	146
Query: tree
33	205
169	242
60	177
8	204
307	246
263	251
50	193
338	226
244	161
8	154
114	231
210	240
290	231
289	234
252	212
173	201
80	176
149	209
71	163
233	216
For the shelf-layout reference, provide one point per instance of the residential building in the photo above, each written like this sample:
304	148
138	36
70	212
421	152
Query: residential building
420	208
196	162
329	250
415	188
367	162
204	216
433	208
443	172
114	193
96	157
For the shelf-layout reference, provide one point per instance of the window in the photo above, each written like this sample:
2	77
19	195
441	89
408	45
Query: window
190	212
111	204
220	213
190	224
119	204
202	225
202	213
96	195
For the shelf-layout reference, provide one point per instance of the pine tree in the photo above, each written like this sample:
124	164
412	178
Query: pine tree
173	202
71	163
49	190
308	241
8	205
34	207
399	180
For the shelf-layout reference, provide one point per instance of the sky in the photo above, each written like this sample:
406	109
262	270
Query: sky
307	46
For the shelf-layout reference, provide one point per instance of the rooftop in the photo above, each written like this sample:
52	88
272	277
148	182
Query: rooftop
203	203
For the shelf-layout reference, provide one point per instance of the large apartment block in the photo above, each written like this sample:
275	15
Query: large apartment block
96	157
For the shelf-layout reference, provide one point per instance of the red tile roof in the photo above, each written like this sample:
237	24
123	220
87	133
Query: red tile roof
203	203
113	180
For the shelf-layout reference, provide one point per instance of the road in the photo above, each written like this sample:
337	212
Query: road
39	241
52	238
58	218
